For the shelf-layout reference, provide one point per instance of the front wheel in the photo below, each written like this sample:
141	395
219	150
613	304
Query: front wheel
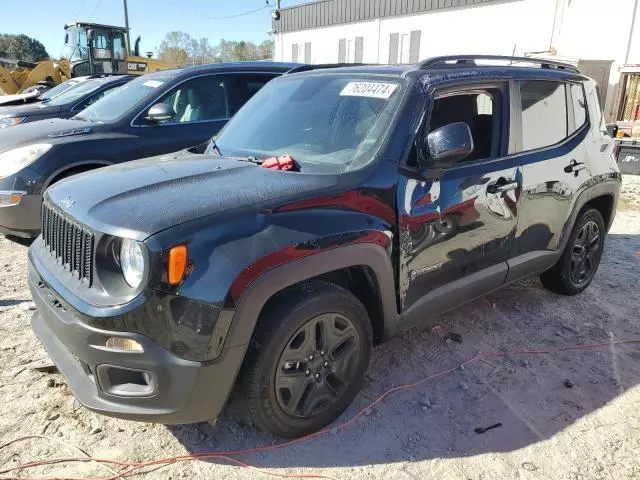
308	358
580	260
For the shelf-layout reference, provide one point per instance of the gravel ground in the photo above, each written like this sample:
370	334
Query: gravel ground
571	415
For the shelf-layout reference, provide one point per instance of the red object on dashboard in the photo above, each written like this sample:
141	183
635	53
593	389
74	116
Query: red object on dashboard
283	162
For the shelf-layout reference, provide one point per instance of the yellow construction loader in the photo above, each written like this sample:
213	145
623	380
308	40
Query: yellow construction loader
89	49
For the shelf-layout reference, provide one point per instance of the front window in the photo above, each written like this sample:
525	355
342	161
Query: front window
76	46
125	98
329	122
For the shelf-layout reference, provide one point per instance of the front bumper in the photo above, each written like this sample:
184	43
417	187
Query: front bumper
22	220
176	391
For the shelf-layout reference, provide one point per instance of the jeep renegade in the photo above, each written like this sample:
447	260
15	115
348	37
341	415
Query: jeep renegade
337	208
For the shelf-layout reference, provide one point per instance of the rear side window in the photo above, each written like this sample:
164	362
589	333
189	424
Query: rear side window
246	86
579	106
544	114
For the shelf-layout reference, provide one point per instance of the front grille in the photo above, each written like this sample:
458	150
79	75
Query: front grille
68	242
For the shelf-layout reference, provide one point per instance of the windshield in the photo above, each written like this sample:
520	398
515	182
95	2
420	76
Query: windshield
125	98
58	89
76	93
331	121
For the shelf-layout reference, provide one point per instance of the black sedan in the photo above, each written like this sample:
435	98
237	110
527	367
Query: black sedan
154	114
37	95
65	105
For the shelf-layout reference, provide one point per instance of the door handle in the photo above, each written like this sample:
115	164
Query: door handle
502	185
574	167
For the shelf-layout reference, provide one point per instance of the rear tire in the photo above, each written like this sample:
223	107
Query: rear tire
581	257
307	360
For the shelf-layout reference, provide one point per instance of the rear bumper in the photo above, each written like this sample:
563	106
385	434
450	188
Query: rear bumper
176	390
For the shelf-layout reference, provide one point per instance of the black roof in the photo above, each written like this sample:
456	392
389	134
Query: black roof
470	65
110	78
264	66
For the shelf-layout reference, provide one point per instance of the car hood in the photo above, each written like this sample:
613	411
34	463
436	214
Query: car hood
56	130
19	98
140	198
28	110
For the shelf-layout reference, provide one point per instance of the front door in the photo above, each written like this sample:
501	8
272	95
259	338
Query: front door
553	125
456	232
201	107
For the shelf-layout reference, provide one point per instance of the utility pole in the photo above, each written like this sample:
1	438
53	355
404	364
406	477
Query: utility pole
126	24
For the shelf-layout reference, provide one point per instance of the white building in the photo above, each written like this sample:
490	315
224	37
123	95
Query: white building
597	35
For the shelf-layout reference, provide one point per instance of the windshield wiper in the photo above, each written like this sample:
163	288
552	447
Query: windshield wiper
214	146
251	159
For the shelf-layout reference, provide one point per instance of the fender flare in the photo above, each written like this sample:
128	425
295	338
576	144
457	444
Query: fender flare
605	188
276	279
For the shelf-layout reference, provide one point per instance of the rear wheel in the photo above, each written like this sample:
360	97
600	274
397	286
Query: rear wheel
308	359
580	260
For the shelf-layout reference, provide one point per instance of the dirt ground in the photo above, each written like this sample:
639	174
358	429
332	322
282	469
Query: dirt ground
572	415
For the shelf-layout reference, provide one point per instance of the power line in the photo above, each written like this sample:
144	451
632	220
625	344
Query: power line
79	9
94	10
236	15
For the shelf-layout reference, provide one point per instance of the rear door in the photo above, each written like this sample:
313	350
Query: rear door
456	233
201	106
553	124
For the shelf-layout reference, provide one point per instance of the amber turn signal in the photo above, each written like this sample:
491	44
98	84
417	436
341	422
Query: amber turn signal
177	264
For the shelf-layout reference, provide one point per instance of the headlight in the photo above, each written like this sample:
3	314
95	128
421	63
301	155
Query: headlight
11	121
13	161
132	262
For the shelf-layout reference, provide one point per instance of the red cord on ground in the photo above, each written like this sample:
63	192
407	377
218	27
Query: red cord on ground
133	468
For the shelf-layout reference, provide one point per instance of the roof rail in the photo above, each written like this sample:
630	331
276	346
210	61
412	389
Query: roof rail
306	68
462	60
110	74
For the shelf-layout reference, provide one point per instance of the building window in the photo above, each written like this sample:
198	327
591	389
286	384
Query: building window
307	52
299	52
350	50
404	47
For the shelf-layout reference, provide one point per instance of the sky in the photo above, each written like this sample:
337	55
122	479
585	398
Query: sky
151	19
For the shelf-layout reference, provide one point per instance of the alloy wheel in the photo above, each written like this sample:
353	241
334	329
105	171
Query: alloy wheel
585	253
317	365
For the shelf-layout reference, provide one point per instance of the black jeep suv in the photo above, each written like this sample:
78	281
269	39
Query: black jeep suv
154	114
337	208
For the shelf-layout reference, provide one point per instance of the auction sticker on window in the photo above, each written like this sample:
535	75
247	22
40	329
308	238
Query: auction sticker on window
152	83
368	89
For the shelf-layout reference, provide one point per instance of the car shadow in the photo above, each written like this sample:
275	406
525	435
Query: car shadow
533	397
11	303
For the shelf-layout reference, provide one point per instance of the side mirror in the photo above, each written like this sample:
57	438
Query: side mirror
449	144
160	112
612	129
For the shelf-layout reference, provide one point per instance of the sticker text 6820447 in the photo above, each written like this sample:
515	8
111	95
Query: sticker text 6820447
368	89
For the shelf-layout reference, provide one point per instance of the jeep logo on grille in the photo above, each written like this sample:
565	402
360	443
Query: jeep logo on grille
67	202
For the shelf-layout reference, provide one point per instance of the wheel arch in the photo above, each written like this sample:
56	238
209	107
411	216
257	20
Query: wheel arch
602	196
73	168
322	265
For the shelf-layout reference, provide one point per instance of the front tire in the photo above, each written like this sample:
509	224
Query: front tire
307	360
580	260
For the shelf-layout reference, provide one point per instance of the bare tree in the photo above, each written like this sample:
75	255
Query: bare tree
175	48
